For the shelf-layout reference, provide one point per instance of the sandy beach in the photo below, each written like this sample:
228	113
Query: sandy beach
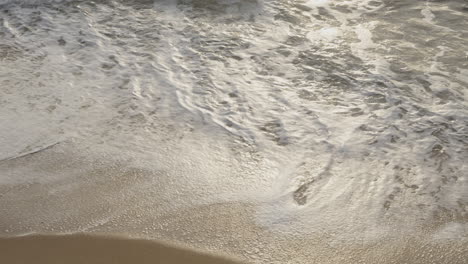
272	131
89	249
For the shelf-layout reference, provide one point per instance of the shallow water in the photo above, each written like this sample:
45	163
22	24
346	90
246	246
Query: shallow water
277	122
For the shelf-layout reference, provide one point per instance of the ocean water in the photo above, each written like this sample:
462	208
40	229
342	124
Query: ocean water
278	130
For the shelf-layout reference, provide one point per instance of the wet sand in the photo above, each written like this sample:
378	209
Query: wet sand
81	248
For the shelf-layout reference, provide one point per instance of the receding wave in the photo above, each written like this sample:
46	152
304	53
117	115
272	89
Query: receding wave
254	127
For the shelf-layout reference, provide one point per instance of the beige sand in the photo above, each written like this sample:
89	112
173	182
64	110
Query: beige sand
89	249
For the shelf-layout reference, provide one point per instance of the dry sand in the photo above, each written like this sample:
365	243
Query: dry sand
89	249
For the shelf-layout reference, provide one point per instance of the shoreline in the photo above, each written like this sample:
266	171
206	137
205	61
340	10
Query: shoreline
102	249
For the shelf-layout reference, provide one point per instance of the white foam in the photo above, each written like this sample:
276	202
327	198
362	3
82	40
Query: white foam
214	106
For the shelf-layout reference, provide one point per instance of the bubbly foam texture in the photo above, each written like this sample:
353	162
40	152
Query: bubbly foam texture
337	120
